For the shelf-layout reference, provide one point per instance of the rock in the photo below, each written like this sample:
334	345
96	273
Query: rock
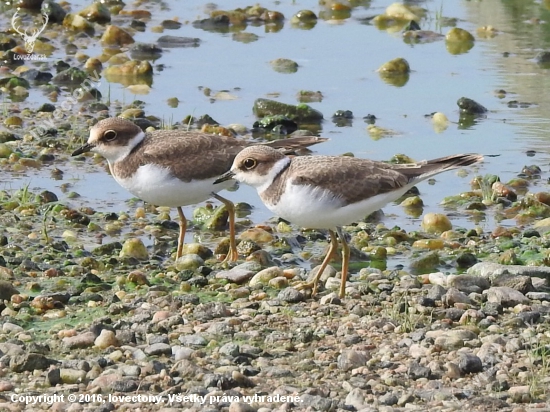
264	276
193	340
116	36
388	399
84	340
282	65
301	113
469	363
241	407
350	359
105	339
453	370
356	399
436	223
328	273
505	296
7	290
318	403
230	349
211	310
521	283
53	376
468	283
279	282
236	275
455	296
189	262
291	295
197	249
417	371
542	296
134	248
157	349
436	292
492	271
492	309
72	376
257	235
30	362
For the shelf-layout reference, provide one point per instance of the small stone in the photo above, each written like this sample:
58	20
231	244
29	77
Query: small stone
455	296
116	36
505	296
157	349
197	249
264	276
72	376
468	283
291	295
417	371
469	363
453	370
105	339
30	362
436	223
83	340
257	235
388	399
350	359
279	282
356	398
436	292
241	407
328	273
134	248
230	349
236	275
189	262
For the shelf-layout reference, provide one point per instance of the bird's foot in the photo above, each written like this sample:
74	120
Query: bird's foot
309	285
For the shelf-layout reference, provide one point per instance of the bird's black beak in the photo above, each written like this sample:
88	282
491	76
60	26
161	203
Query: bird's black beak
224	177
83	149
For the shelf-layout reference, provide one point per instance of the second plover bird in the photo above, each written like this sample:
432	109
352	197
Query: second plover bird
327	192
173	168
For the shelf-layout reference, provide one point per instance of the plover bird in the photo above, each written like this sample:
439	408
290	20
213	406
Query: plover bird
326	192
174	168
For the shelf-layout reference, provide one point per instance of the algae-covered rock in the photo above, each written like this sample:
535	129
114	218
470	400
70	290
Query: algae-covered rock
134	248
197	249
425	263
189	262
284	65
436	223
398	66
115	36
96	13
301	113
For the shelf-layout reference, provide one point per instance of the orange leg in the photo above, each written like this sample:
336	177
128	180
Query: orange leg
183	229
233	255
331	250
345	262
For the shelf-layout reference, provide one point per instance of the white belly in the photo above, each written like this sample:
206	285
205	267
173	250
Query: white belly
157	186
314	208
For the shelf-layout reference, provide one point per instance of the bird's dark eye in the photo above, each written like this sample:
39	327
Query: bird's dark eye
249	163
109	135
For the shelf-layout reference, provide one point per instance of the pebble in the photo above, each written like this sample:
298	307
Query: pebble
264	276
505	296
290	295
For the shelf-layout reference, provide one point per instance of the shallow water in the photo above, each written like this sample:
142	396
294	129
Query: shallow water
340	59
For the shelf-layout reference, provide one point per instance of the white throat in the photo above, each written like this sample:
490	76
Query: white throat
262	182
115	153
